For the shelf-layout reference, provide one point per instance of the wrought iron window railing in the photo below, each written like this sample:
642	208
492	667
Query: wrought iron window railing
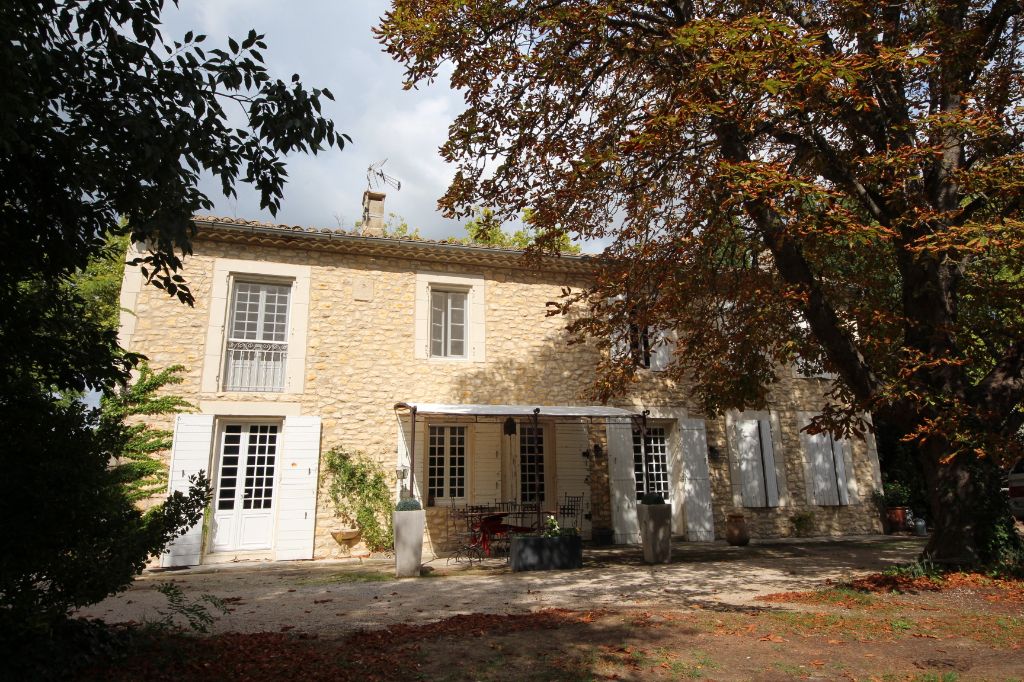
255	366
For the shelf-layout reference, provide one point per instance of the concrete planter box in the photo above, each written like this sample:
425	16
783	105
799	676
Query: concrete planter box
656	532
545	554
408	542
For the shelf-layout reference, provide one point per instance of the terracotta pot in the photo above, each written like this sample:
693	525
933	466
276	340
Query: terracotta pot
736	532
896	518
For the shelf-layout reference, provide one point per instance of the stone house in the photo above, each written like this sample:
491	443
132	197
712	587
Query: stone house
440	357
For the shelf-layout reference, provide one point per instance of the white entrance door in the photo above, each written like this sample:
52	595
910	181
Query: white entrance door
244	516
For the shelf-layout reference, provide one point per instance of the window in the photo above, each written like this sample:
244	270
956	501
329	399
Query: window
257	345
640	345
248	460
446	462
449	317
755	478
531	463
653	449
645	347
826	460
448	324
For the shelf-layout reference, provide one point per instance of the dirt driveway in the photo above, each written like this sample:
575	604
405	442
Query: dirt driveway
333	598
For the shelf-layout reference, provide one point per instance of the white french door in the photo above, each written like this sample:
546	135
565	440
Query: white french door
243	517
531	464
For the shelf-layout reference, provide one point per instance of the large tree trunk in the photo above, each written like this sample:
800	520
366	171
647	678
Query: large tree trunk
969	511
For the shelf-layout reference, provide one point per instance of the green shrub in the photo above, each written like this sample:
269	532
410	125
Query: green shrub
408	504
361	495
803	523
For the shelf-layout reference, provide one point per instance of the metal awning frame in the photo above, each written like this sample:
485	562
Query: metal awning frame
595	414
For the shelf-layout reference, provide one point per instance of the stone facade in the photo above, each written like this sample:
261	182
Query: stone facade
360	359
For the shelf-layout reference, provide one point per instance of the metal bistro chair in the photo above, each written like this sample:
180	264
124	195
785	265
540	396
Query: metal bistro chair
570	513
468	545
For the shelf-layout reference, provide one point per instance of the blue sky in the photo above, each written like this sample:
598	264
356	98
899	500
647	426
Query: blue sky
329	44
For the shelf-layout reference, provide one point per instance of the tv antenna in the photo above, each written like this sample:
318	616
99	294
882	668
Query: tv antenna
377	178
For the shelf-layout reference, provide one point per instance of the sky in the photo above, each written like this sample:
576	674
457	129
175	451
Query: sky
330	44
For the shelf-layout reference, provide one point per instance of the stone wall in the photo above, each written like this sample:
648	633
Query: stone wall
360	361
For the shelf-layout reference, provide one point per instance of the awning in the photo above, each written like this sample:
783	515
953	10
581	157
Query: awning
564	411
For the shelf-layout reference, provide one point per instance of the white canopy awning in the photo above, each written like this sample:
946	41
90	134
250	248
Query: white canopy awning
565	411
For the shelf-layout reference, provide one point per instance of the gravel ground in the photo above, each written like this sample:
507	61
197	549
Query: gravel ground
334	598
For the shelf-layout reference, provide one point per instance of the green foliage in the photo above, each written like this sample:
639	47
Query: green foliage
484	229
803	523
361	495
408	504
195	613
99	282
141	472
78	536
653	498
893	494
551	528
397	227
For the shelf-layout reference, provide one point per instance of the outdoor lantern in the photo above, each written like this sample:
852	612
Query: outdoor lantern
509	428
401	472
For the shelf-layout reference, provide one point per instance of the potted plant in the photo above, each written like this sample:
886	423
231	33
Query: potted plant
655	516
554	548
409	521
895	498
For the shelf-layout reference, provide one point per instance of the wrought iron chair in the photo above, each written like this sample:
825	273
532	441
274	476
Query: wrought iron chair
570	513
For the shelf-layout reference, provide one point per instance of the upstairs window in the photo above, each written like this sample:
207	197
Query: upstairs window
257	344
448	324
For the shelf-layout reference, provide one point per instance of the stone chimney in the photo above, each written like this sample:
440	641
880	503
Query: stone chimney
373	213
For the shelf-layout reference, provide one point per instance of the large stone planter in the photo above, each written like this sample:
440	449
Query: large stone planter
656	532
533	553
408	527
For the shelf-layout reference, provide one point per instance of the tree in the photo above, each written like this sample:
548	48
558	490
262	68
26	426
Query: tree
484	229
837	181
106	129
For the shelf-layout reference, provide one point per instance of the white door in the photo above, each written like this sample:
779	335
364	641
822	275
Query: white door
243	518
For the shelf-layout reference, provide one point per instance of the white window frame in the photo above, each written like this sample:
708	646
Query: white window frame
473	286
233	344
225	272
773	472
649	348
447	498
446	323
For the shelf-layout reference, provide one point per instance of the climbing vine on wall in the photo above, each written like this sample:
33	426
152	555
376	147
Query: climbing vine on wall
361	495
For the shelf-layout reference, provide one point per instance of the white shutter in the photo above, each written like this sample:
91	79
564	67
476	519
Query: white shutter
771	479
847	481
821	468
663	344
623	483
190	454
300	470
750	468
696	481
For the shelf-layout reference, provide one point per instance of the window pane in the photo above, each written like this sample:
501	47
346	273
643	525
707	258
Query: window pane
257	347
438	322
531	464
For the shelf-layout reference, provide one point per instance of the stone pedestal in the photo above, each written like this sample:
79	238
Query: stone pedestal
408	542
656	532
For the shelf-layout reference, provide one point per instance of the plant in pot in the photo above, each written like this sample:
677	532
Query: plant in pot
655	516
409	520
895	499
554	548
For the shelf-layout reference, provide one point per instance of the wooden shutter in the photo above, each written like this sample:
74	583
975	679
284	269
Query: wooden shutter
300	471
771	479
749	463
843	452
623	483
820	469
663	345
190	454
696	481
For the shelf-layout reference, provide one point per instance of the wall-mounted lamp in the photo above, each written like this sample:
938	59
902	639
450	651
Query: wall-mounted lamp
509	427
598	451
714	454
401	472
